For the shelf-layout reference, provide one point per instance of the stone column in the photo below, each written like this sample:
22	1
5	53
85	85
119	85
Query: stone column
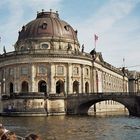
52	81
69	82
15	80
18	84
82	79
32	82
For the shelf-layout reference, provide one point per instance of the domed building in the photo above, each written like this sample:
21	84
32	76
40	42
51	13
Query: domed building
48	65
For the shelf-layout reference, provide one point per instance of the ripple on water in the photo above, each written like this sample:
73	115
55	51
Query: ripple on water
76	127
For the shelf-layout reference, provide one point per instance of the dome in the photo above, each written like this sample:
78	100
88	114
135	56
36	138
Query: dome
47	25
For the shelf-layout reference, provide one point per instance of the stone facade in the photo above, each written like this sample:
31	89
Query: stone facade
48	59
134	81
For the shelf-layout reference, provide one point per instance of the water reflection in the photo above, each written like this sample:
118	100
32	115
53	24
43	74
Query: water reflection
76	127
108	107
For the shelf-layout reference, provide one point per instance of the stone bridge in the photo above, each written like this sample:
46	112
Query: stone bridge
80	103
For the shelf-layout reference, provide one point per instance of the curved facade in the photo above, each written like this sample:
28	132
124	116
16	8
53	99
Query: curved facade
48	59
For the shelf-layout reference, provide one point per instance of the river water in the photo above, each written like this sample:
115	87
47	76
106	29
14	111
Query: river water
118	127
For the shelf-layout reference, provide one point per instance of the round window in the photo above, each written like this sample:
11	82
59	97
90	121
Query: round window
45	46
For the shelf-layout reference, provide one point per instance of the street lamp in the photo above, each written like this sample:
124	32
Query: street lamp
123	71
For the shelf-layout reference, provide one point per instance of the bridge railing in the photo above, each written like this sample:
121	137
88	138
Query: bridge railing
104	94
22	95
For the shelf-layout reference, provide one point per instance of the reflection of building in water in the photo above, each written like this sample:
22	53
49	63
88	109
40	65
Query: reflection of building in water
108	106
48	60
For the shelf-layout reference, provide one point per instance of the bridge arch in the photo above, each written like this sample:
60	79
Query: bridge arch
107	107
84	106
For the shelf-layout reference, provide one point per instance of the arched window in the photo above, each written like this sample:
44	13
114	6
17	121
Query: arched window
59	87
75	87
86	87
24	86
42	86
11	88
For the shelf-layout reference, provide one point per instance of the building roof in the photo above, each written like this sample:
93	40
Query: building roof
47	25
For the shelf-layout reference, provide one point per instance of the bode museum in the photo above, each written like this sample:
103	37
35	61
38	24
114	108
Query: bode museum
48	65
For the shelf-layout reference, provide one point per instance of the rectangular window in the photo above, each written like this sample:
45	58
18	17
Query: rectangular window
24	70
75	70
86	72
11	71
60	70
42	69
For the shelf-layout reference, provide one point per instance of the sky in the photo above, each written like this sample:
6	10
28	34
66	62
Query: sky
115	22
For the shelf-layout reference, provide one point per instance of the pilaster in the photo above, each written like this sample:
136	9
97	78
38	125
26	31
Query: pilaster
69	83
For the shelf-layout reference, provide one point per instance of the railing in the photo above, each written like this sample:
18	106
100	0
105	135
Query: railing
105	94
42	95
55	95
49	52
32	95
24	95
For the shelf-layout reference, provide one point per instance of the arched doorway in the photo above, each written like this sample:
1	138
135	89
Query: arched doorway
11	89
75	87
59	87
24	86
86	87
42	86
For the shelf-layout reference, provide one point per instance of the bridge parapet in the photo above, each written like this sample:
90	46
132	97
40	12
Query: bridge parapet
104	94
80	103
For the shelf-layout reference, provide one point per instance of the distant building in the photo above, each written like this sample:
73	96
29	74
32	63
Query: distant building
48	60
134	81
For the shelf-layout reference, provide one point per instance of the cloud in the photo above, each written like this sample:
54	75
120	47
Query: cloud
20	12
116	30
113	22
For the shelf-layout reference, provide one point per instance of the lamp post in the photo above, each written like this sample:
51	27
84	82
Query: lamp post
123	71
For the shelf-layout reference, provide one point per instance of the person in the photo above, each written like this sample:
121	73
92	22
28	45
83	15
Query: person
9	136
6	134
3	131
12	135
32	137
